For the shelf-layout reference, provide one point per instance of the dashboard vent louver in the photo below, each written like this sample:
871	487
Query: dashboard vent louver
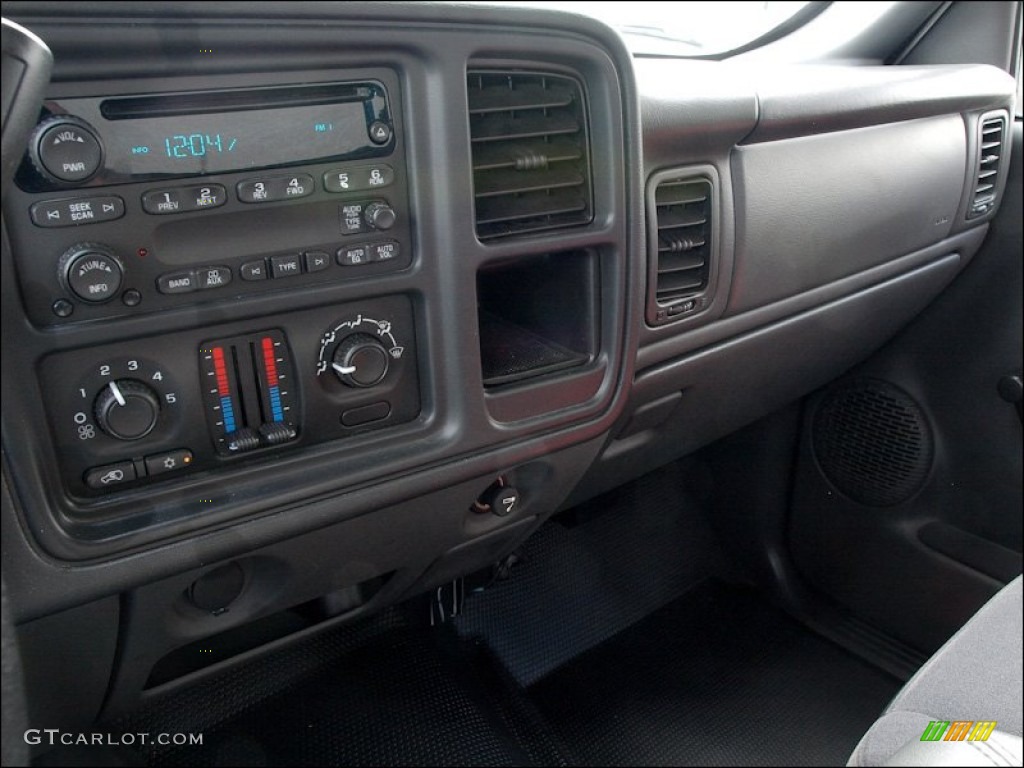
991	133
531	160
681	251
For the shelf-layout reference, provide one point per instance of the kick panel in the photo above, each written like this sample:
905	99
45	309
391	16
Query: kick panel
132	417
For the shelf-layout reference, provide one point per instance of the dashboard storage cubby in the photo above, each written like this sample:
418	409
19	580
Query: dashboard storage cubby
537	316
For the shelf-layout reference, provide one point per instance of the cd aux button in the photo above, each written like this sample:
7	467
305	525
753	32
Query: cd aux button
213	277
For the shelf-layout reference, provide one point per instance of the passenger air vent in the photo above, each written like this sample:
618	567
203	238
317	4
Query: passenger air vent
531	161
680	245
991	135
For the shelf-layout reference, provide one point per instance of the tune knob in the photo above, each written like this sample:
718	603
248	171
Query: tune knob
380	216
360	360
92	272
127	409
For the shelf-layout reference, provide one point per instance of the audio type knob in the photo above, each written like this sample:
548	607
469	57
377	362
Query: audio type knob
92	272
380	215
127	409
66	149
360	360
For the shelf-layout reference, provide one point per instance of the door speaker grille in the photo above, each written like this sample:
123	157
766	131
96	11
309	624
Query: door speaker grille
872	441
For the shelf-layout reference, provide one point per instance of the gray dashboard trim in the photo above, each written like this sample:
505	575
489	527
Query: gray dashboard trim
966	244
799	101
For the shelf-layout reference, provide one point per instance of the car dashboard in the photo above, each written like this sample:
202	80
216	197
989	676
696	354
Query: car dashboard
339	303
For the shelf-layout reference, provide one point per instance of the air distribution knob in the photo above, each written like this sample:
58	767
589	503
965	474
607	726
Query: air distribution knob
127	409
360	360
380	215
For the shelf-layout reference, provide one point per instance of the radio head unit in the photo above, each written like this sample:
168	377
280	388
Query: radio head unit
97	141
144	203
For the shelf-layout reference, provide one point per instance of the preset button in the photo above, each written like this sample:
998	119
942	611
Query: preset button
273	188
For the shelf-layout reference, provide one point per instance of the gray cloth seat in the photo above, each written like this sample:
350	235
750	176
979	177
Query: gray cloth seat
976	675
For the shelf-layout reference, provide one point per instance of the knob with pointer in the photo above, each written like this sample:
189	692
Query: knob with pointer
127	409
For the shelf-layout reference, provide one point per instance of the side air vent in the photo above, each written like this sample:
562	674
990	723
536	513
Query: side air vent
531	161
991	145
680	245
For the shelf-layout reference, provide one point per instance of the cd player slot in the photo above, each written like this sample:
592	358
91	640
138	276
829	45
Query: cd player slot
170	105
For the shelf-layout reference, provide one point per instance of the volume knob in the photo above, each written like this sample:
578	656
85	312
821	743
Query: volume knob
127	409
66	149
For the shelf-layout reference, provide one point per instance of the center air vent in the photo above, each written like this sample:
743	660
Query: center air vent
991	134
531	162
680	245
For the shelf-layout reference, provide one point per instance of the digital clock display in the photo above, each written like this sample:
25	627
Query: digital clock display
198	144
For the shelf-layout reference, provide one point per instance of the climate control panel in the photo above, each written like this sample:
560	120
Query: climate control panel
249	397
155	409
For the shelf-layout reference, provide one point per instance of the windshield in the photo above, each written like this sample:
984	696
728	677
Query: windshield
683	28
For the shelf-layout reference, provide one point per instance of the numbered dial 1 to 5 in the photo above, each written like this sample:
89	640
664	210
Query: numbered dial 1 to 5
123	400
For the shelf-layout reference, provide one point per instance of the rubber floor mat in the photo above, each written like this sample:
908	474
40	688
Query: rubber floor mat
639	547
718	677
400	700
